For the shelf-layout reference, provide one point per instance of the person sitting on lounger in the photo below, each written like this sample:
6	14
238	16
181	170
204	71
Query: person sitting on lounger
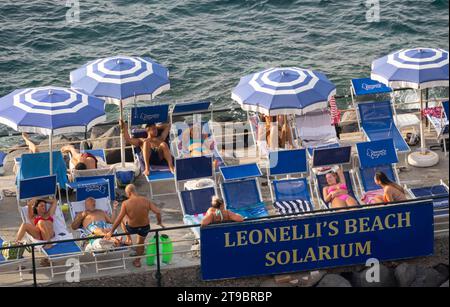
392	191
41	226
218	214
32	147
95	221
197	143
153	146
80	161
336	191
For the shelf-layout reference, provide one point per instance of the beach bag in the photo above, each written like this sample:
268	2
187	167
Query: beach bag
99	245
13	253
412	139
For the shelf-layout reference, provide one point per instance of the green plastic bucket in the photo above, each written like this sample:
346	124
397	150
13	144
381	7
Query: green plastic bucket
165	248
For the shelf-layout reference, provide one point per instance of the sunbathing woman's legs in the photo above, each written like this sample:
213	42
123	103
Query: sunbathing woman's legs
31	146
30	229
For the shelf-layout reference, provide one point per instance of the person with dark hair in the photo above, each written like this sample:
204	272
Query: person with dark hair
154	145
336	191
392	191
218	214
41	221
80	161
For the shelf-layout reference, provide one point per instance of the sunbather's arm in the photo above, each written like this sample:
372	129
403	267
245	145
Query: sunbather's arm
165	131
327	196
340	173
78	220
114	213
157	212
128	139
123	212
235	217
53	206
208	219
30	204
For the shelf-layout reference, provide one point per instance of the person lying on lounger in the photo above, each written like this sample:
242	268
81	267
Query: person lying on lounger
95	221
197	143
41	226
392	191
154	145
336	192
80	161
218	214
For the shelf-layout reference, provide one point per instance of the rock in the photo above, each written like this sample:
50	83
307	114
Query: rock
428	277
283	279
334	280
270	282
405	274
387	278
108	143
445	284
442	269
308	279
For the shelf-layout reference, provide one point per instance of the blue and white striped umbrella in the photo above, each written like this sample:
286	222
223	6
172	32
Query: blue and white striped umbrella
281	91
418	68
122	79
51	110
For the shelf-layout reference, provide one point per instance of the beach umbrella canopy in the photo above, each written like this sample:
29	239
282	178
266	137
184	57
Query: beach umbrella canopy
51	111
122	80
281	91
418	68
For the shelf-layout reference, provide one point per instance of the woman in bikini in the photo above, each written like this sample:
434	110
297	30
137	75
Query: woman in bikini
41	218
392	191
336	192
218	214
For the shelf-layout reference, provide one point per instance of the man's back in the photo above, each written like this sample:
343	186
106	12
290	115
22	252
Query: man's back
137	210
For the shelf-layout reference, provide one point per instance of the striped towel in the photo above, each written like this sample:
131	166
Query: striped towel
193	219
335	113
293	206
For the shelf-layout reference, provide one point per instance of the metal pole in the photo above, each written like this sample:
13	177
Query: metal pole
51	152
33	258
158	261
122	141
422	132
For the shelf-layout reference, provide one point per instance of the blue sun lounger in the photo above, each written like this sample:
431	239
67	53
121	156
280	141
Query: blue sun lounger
42	187
241	190
441	191
329	157
375	156
159	172
289	195
100	190
34	165
2	159
196	185
377	122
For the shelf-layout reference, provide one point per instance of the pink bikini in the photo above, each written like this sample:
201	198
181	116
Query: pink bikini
343	197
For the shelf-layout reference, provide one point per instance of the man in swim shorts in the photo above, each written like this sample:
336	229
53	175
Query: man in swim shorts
80	161
134	218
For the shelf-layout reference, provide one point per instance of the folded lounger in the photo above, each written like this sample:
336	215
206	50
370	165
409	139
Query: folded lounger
159	170
99	189
192	109
440	191
375	156
377	122
47	187
241	191
2	159
441	124
314	130
289	195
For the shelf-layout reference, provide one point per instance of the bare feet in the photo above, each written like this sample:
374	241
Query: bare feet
137	263
128	242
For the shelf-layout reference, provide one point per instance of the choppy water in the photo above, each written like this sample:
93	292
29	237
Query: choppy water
209	44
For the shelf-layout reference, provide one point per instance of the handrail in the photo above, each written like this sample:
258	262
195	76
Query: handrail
157	231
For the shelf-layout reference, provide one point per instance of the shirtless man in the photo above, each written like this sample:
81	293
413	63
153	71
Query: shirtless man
153	142
81	161
95	221
135	220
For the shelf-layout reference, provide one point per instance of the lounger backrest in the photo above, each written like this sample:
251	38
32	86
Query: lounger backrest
367	86
437	190
286	162
446	109
38	165
97	188
315	126
100	204
241	194
377	153
2	259
188	108
196	201
291	189
239	172
2	157
37	187
149	115
332	156
194	168
322	183
368	174
110	178
376	115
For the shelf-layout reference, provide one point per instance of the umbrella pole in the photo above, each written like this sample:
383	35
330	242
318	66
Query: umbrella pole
122	141
50	142
422	132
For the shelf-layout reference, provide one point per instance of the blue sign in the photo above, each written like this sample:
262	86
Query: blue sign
328	240
367	86
149	115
